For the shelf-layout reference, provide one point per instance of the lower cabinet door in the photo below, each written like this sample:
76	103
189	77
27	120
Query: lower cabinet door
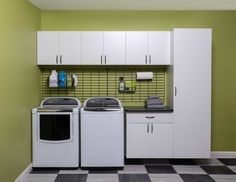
137	141
161	140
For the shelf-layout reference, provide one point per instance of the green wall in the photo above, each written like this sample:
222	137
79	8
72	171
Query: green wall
224	51
20	84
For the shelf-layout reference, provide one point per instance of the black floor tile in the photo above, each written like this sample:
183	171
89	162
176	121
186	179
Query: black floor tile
228	162
134	161
181	162
134	178
45	171
156	161
71	178
102	171
160	169
196	178
217	170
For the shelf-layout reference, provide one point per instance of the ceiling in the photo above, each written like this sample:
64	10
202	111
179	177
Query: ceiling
135	4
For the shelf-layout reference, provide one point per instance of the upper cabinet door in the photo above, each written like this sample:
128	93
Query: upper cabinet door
47	48
114	47
70	48
159	48
92	48
136	48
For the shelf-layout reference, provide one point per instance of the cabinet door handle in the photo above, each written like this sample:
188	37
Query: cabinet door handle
150	117
152	128
105	59
57	59
147	128
145	59
175	91
61	59
101	59
150	59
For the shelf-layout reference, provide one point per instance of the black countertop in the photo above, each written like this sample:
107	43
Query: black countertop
143	109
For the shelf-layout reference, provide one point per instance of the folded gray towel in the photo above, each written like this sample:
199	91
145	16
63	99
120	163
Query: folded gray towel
154	106
154	101
153	97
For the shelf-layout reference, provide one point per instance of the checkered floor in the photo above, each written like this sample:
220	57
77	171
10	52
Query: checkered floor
146	170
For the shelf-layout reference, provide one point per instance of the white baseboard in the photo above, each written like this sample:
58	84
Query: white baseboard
25	172
223	154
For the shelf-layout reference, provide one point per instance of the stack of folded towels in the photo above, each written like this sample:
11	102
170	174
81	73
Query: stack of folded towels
154	102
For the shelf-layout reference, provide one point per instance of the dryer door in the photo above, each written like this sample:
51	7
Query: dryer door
55	127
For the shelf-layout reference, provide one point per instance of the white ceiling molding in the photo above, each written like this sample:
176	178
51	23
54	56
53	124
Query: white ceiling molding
116	5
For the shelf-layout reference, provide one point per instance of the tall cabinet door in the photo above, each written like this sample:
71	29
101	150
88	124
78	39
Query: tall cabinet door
70	48
114	47
47	48
137	140
159	47
136	48
92	48
192	100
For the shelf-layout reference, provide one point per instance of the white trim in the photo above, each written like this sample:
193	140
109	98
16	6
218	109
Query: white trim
223	154
25	172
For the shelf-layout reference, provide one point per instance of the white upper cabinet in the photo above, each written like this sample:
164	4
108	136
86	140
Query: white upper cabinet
92	48
59	48
159	48
192	100
103	48
114	47
47	48
148	48
136	48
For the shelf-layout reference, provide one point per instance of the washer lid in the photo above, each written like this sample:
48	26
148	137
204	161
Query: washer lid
102	103
55	102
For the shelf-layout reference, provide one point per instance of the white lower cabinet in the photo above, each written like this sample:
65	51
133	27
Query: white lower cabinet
149	135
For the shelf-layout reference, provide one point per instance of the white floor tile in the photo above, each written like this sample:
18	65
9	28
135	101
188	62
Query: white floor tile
102	178
224	178
39	178
133	169
165	178
182	169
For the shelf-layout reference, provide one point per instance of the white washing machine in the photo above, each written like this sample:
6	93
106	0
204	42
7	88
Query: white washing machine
55	133
102	133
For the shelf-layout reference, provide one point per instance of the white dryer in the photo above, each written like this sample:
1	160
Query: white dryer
55	133
102	133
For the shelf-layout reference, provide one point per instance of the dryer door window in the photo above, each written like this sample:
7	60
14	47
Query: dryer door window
55	127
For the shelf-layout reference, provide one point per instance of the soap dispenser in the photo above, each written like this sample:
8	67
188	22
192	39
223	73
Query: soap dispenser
121	84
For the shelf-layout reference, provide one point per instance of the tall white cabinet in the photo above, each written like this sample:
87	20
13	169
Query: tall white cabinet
192	92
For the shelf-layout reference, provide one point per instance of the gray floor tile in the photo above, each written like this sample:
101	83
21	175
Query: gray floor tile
44	171
217	170
133	169
196	178
103	171
73	171
134	178
71	178
160	169
224	178
181	162
228	162
181	169
156	161
208	162
165	178
102	178
39	178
